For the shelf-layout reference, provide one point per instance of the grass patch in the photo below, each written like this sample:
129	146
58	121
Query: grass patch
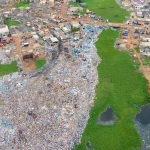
137	49
122	87
74	4
22	5
73	29
146	60
108	9
40	63
8	68
77	4
81	12
11	22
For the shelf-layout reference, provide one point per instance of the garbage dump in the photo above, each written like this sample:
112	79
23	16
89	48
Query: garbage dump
49	108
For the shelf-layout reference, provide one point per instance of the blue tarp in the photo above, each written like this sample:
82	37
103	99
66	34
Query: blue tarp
88	27
75	51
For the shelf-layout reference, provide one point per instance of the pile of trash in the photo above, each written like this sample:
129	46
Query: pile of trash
50	110
5	53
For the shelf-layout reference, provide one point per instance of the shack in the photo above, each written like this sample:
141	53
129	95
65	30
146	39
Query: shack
28	56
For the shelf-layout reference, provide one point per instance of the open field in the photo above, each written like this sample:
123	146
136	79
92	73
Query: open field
122	87
8	68
108	9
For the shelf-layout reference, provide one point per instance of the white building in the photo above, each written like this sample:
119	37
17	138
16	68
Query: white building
4	31
145	44
54	39
75	24
145	51
139	14
145	39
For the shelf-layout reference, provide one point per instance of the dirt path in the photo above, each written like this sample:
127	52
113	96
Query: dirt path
64	8
143	69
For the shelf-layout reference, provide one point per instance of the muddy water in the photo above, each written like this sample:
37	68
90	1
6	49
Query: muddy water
144	116
107	117
143	126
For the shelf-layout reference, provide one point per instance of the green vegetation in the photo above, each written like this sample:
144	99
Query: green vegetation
40	63
11	22
146	60
122	87
74	4
22	5
8	68
137	49
77	4
73	29
81	12
108	9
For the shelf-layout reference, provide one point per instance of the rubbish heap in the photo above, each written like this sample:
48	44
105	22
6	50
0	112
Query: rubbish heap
50	110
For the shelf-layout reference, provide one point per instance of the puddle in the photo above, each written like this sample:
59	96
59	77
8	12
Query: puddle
89	146
107	117
144	116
